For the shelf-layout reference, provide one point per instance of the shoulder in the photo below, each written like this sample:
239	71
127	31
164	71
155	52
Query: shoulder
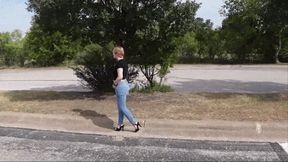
121	64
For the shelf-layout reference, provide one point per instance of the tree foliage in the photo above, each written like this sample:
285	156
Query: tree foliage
145	28
11	49
49	49
254	29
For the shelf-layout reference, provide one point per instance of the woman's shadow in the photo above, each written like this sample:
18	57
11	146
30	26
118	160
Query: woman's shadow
98	119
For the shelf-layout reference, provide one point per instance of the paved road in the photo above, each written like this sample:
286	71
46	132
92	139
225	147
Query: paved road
46	79
190	78
31	145
230	78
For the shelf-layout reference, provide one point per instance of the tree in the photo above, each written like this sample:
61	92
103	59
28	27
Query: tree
241	37
186	47
11	48
275	20
48	49
257	28
167	20
144	28
240	29
4	40
203	35
216	44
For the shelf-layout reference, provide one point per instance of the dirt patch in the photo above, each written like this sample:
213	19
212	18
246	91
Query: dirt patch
173	105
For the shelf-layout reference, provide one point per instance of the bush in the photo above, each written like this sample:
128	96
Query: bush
156	88
96	68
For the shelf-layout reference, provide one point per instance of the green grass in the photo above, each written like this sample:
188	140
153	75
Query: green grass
156	88
171	105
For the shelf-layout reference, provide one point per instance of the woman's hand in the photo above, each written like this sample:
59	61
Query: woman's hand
114	84
119	77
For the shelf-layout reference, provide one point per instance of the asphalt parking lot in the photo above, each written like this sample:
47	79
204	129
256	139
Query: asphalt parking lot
183	78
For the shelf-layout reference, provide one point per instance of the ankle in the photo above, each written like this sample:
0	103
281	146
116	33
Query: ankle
121	125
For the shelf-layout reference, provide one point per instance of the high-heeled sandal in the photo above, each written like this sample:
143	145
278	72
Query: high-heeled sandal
137	125
120	128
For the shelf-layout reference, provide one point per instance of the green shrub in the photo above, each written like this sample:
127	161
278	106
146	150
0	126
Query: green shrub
156	88
95	68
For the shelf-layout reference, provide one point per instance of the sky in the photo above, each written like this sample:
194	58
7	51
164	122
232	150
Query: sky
13	14
209	9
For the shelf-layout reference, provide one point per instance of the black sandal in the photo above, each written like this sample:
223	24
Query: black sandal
137	125
120	128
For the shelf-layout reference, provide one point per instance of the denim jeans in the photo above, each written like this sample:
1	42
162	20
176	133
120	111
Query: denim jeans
122	91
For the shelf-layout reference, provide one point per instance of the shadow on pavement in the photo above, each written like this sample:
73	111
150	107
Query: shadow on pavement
100	120
229	86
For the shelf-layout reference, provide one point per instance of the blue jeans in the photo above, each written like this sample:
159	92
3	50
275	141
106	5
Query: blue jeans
122	91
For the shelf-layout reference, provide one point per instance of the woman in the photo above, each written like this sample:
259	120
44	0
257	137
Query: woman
122	89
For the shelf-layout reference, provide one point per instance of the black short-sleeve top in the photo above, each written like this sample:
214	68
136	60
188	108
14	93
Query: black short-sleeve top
121	64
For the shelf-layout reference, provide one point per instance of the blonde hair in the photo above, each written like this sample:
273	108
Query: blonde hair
118	51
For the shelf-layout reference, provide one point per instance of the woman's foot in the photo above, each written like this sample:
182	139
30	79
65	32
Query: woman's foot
137	125
121	127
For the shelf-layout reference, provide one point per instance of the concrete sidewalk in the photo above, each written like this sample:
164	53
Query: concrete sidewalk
154	128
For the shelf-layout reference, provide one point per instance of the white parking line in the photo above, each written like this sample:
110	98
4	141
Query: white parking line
284	146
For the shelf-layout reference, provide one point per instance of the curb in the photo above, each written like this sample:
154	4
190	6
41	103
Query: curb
154	128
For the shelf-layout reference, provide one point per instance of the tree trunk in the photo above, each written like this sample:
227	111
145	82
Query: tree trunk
149	72
277	61
278	49
161	80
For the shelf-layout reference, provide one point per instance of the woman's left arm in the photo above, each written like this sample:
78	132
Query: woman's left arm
119	76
